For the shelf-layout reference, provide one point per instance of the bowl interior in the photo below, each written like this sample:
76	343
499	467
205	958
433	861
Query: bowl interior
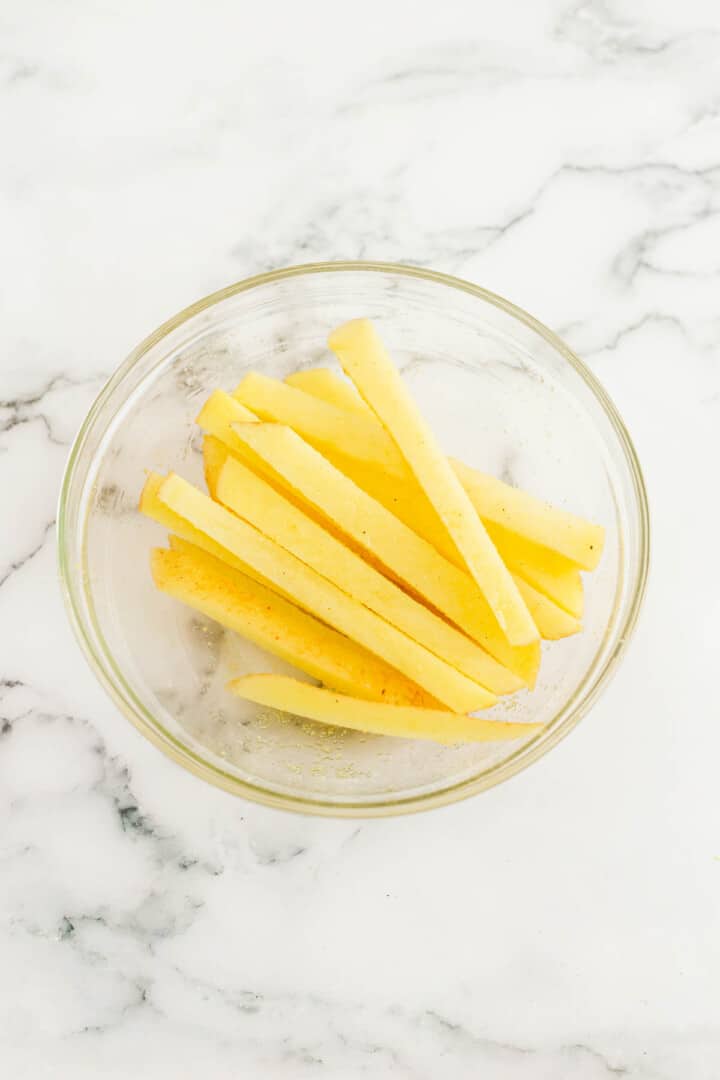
500	393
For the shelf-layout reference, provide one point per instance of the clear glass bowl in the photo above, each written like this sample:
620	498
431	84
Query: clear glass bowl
502	392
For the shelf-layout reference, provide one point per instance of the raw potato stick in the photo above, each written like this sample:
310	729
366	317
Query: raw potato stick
217	416
410	558
252	498
325	707
241	604
549	572
220	410
570	535
553	574
323	599
326	385
215	453
185	533
531	519
552	621
151	506
323	424
365	360
562	586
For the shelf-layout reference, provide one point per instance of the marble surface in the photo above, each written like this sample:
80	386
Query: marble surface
565	925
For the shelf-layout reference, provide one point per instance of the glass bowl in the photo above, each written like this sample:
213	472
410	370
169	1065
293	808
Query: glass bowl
502	392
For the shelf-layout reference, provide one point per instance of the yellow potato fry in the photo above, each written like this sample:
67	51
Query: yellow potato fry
221	555
215	453
218	414
552	621
321	598
216	418
260	615
326	385
220	410
186	536
151	506
338	710
320	423
409	557
569	535
550	573
365	360
252	498
554	575
578	540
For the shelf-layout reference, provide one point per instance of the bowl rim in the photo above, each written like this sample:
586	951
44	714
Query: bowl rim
141	718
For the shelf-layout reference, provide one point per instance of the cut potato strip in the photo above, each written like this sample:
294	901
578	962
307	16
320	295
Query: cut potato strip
552	621
252	498
365	360
578	540
217	416
321	423
221	555
257	613
187	534
326	385
547	571
408	556
403	498
319	596
215	453
220	410
187	537
338	710
151	506
571	536
554	575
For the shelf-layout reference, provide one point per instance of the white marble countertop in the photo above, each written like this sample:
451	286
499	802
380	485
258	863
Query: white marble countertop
565	925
